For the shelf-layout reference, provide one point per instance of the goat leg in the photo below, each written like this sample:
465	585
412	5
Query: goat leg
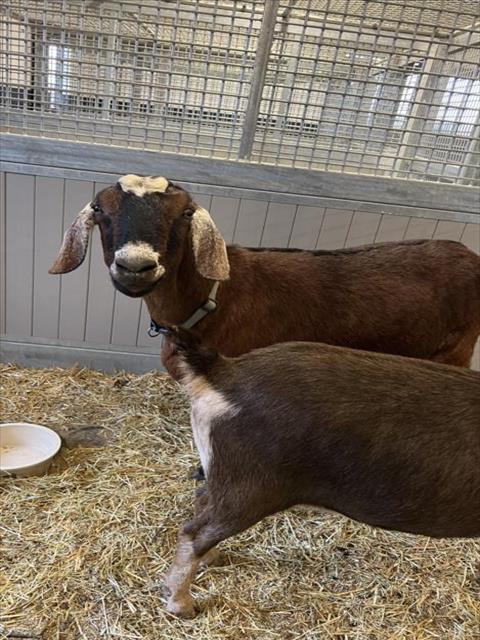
180	576
213	557
186	563
198	474
197	539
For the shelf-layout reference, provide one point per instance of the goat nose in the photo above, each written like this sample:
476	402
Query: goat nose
135	264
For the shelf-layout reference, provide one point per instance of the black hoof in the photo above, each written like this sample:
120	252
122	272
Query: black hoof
198	474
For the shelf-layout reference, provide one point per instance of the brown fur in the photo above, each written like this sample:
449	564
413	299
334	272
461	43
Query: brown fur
388	441
418	298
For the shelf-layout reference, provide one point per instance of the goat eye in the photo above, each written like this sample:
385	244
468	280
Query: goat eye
188	213
96	208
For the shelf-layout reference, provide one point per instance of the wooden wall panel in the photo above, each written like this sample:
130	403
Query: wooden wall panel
449	230
203	200
101	294
392	228
126	313
363	228
471	237
278	225
48	234
225	213
334	230
419	228
251	220
20	246
306	227
74	285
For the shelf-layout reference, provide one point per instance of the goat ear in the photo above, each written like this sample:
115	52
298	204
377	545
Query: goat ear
209	247
75	243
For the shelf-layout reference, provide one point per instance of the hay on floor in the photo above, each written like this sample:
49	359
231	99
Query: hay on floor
83	549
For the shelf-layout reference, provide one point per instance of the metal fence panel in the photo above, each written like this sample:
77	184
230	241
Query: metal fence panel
385	87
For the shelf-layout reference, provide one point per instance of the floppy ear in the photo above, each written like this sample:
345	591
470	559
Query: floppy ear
209	247
75	242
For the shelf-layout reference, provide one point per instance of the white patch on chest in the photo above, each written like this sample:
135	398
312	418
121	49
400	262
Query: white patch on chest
207	405
140	185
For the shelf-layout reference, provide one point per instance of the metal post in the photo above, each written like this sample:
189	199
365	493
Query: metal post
430	81
265	40
470	171
292	65
109	84
111	64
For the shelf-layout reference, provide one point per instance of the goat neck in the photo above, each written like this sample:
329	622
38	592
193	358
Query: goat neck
178	294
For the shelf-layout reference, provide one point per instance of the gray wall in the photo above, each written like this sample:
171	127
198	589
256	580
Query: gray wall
79	317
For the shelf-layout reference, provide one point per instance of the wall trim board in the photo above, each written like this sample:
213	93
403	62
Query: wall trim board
34	353
106	159
253	194
37	352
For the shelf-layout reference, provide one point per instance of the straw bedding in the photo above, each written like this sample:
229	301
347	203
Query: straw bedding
83	549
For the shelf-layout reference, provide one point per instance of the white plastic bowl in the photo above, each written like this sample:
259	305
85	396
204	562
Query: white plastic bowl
27	449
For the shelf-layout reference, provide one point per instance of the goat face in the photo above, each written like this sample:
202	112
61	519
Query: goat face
146	225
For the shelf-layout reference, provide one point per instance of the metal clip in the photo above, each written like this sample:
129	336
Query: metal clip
210	305
154	329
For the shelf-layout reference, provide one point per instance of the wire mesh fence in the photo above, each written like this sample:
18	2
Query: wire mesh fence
379	87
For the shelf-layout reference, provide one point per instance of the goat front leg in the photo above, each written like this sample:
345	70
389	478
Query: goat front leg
180	576
208	532
198	538
186	563
213	557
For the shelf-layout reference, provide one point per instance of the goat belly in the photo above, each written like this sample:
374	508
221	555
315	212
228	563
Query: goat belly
388	441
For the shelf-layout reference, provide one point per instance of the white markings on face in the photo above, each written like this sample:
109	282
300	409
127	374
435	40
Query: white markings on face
136	254
207	405
140	185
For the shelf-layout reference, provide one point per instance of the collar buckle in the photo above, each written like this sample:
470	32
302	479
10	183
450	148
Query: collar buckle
209	306
154	329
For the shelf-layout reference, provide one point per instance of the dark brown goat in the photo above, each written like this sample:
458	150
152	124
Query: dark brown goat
418	298
389	441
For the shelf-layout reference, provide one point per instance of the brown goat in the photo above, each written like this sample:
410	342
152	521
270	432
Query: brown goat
418	298
389	441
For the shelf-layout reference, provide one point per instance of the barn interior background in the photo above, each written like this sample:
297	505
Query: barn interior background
302	123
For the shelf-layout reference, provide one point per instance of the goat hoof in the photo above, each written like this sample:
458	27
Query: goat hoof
198	474
182	608
212	558
165	590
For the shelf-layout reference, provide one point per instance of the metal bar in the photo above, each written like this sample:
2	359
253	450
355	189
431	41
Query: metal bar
265	40
470	172
283	180
388	207
334	95
423	98
109	84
